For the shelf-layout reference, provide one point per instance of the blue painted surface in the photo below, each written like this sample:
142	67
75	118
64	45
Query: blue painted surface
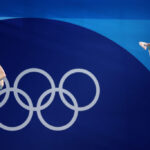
126	33
127	9
120	119
124	22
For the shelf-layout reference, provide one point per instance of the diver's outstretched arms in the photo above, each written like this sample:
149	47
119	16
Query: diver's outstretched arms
2	76
145	46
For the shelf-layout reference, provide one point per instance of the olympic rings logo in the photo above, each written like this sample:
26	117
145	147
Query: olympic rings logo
51	91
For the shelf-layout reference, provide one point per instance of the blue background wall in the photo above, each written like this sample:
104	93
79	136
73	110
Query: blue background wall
100	36
124	22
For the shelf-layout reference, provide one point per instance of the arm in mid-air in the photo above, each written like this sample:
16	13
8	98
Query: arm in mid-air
2	76
144	45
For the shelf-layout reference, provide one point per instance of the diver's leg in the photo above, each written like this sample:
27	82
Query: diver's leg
1	84
2	76
2	73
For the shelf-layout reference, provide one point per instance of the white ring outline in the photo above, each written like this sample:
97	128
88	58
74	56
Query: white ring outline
64	127
34	70
88	73
27	121
53	90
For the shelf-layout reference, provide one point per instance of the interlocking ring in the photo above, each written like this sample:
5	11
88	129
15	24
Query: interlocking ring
34	70
26	122
73	71
39	107
68	124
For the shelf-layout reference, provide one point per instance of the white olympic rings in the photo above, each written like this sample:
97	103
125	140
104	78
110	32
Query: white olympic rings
51	91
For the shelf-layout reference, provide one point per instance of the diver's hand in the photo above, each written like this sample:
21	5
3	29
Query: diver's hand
143	45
